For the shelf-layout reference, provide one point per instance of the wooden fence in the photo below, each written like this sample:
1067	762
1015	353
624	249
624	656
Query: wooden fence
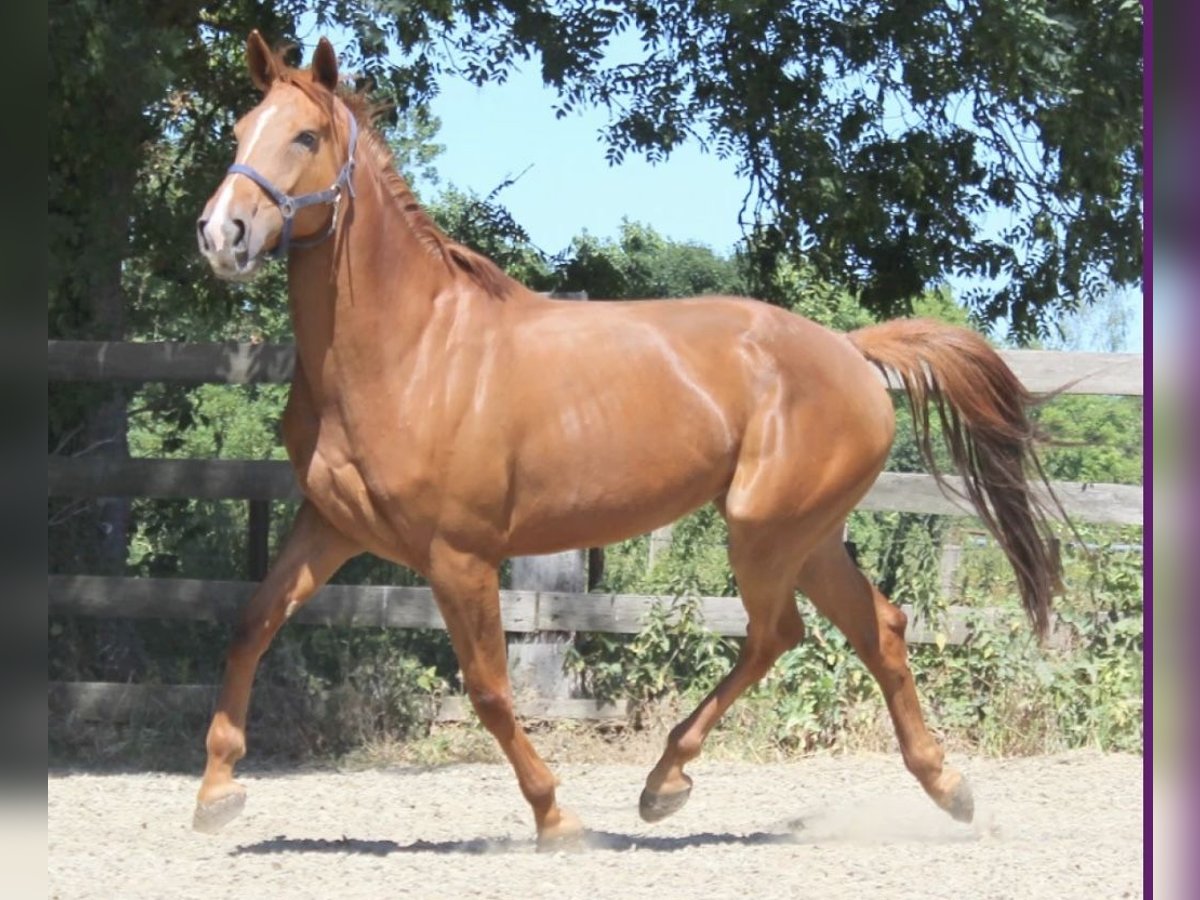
525	612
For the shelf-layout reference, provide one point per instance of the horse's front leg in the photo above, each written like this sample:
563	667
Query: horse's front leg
468	595
310	555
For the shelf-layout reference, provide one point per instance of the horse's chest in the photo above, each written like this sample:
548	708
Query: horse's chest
379	502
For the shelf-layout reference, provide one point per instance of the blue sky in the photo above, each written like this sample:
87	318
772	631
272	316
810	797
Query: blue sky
499	131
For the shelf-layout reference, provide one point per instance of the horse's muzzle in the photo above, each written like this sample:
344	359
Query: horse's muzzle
226	247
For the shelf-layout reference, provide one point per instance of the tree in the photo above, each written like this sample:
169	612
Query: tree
878	137
487	225
643	264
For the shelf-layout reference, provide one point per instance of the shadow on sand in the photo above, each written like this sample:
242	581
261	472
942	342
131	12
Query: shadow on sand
592	840
824	827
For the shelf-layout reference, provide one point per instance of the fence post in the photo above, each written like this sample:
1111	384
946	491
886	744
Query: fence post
948	570
660	543
258	535
535	661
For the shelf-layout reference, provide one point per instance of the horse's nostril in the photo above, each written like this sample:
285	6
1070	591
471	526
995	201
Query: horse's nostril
200	226
239	237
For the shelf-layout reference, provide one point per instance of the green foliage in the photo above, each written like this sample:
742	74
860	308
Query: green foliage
997	692
1000	692
673	654
368	683
320	693
697	561
642	264
486	225
1093	438
877	141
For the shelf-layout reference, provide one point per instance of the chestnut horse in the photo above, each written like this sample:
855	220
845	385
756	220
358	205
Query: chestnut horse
444	417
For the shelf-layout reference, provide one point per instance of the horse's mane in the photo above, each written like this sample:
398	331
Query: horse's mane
485	273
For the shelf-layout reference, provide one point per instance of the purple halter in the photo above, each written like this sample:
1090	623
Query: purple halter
289	205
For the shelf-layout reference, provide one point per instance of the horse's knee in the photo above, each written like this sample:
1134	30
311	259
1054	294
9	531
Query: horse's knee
767	640
893	621
880	644
251	637
494	707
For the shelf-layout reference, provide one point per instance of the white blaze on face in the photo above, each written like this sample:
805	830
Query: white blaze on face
217	234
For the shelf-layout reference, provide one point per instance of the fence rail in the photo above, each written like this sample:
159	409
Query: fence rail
105	701
387	606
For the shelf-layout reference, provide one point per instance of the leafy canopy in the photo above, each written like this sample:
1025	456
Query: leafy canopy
891	145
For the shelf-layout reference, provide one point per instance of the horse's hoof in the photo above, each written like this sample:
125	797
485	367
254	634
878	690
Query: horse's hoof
213	815
655	807
960	802
566	834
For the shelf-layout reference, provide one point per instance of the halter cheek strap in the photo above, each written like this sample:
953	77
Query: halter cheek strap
289	205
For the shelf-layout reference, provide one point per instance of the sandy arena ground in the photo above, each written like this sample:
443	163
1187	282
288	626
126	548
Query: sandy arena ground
826	827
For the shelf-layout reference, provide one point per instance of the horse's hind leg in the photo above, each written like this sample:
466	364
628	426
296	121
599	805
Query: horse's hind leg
774	627
312	552
467	592
875	629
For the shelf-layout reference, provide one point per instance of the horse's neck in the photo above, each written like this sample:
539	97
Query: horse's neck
361	298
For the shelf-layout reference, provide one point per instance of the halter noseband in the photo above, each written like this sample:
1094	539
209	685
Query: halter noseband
289	205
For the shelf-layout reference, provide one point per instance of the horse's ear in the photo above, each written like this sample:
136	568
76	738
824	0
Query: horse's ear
261	62
325	64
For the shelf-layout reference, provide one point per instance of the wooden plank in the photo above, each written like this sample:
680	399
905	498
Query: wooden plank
100	596
458	709
273	480
381	606
113	702
626	613
1046	371
358	606
170	361
1113	504
1041	371
207	479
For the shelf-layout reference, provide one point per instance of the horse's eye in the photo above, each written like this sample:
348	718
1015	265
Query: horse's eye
307	140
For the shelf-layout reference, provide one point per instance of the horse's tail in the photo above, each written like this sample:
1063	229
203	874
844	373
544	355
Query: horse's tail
982	408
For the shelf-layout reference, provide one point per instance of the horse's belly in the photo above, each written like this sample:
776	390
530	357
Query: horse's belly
614	486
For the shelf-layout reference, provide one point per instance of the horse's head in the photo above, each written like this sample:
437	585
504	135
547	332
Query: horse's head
294	164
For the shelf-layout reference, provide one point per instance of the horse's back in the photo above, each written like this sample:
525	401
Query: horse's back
639	411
